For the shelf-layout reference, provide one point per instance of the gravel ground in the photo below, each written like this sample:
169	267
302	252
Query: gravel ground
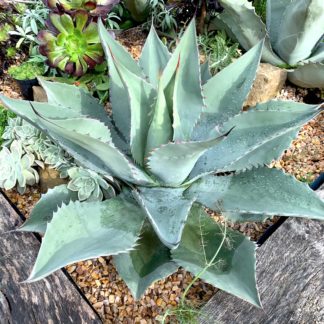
98	278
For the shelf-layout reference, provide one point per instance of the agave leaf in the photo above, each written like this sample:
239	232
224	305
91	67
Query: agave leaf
234	269
43	211
260	135
173	162
141	96
261	191
318	54
118	94
148	262
310	75
160	130
106	232
75	98
93	153
167	210
275	14
154	58
248	28
221	104
24	109
300	30
187	97
205	73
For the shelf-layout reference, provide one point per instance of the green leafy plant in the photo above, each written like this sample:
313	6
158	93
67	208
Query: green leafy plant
218	49
261	8
5	115
11	52
72	43
139	9
26	71
5	30
296	46
177	141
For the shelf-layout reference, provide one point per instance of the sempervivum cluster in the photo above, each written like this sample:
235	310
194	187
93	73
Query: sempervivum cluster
71	42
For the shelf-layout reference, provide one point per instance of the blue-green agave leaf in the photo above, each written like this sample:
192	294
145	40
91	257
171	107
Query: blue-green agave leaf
48	204
262	191
148	262
167	210
187	97
92	152
160	130
248	28
81	231
141	98
205	72
301	29
234	269
24	109
173	162
75	98
221	104
310	75
260	136
118	94
275	14
154	58
318	54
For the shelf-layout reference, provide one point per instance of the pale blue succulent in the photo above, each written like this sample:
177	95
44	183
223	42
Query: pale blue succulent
89	185
16	168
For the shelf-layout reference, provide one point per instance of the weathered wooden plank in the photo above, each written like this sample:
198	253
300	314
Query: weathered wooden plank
290	276
54	300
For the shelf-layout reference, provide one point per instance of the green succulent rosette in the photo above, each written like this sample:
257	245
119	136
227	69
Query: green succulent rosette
71	43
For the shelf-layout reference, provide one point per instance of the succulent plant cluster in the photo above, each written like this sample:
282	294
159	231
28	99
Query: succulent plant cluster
177	141
294	34
16	168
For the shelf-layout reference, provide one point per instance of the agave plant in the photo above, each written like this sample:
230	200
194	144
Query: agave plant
72	43
16	168
294	34
177	141
95	7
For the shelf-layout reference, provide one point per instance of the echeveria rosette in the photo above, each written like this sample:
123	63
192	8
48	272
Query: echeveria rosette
72	43
176	144
95	8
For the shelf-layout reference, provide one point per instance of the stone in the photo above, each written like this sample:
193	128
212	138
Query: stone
268	83
39	94
49	178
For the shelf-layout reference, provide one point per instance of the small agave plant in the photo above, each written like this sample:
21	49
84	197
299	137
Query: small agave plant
177	141
95	7
72	43
294	35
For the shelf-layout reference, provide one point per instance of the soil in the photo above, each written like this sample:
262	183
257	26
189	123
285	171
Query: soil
98	278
